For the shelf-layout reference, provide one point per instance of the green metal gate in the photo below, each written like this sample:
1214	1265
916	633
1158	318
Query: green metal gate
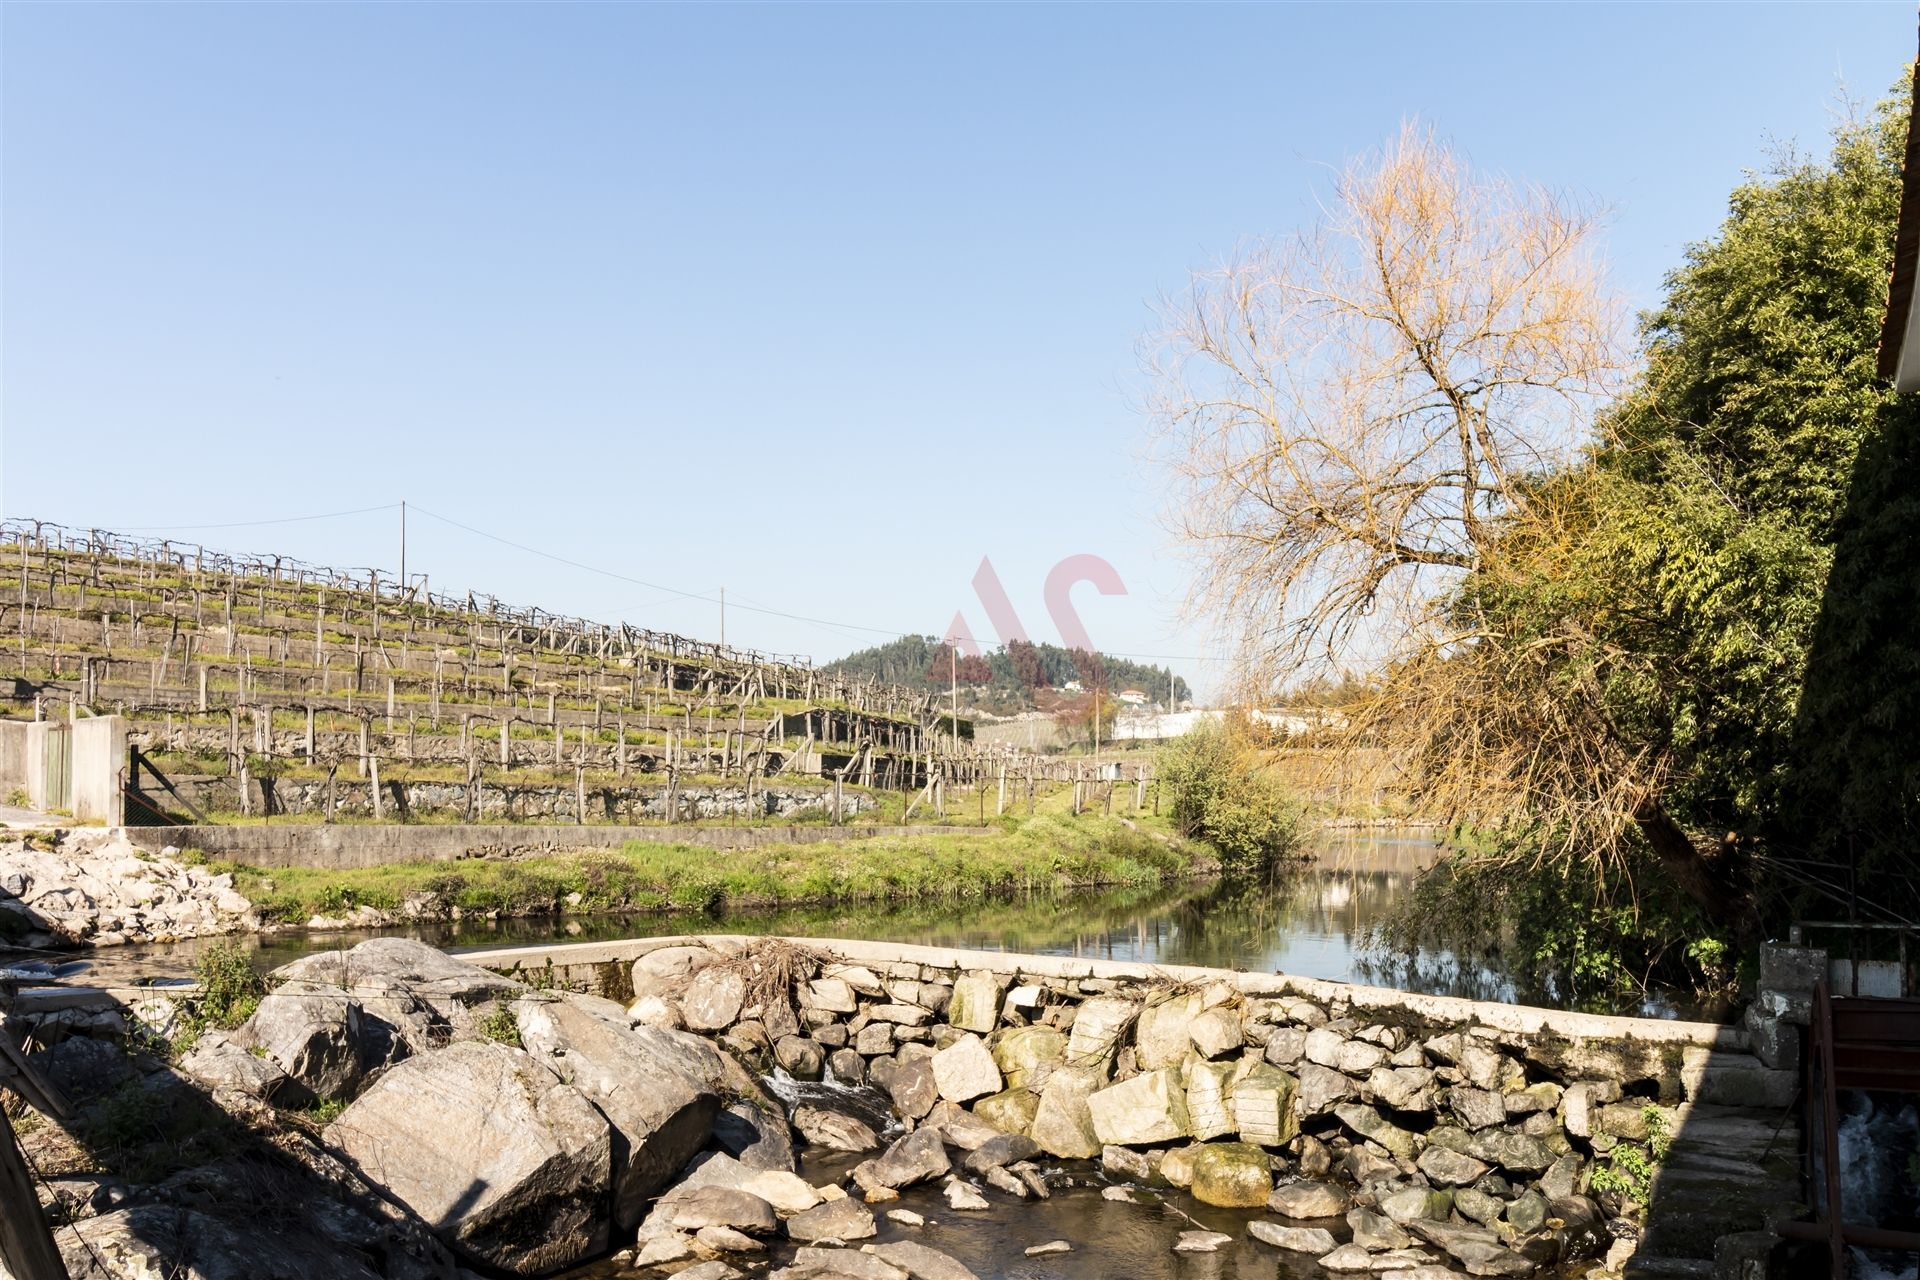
57	780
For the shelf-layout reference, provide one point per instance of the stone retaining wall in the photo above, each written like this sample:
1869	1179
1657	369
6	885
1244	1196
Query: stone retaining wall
341	848
516	802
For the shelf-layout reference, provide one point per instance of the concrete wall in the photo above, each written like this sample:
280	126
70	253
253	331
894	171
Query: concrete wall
99	768
340	848
99	764
19	757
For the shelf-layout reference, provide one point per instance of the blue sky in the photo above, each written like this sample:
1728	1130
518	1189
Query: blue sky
818	304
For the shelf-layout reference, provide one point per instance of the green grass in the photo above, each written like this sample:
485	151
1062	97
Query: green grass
1042	853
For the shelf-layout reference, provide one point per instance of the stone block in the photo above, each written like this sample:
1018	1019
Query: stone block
1793	969
1209	1089
1062	1122
1263	1106
1162	1036
1232	1175
1148	1108
1026	1054
1098	1029
1010	1111
975	1005
964	1070
1216	1033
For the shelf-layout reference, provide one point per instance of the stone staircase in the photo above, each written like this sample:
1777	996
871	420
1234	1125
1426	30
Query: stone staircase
1729	1170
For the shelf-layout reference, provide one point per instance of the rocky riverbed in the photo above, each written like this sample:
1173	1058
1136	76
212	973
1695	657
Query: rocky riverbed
399	1113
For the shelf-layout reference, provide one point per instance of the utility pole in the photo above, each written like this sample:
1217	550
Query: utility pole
723	617
953	678
403	551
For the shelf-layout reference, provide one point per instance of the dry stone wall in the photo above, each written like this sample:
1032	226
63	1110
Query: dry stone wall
1422	1141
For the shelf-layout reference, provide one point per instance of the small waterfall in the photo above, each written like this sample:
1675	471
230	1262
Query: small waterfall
862	1102
1879	1156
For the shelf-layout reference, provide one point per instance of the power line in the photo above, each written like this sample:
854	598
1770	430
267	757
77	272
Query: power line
670	592
739	603
251	524
667	593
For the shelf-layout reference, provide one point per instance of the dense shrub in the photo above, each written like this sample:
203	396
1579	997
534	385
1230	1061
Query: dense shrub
1220	791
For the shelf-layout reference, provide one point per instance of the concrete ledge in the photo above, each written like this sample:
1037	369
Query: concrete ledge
353	846
1510	1019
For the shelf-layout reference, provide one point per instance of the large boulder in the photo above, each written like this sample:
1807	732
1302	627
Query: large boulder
834	1130
1025	1055
217	1061
964	1070
1262	1102
1163	1035
1099	1027
154	1240
1233	1175
845	1219
757	1134
421	993
1208	1089
661	1114
975	1005
1010	1110
1147	1108
321	1038
510	1166
915	1158
922	1263
1062	1124
665	971
713	998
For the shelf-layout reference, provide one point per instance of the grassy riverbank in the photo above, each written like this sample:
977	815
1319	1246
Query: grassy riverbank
1045	852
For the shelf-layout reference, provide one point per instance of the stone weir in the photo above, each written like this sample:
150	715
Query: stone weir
1382	1129
638	1098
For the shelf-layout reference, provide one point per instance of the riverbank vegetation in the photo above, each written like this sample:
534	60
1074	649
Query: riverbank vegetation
1216	786
1637	621
1047	852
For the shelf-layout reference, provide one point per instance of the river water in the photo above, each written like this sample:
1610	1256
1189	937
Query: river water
1316	919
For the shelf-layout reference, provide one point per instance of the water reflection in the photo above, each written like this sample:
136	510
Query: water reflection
1316	920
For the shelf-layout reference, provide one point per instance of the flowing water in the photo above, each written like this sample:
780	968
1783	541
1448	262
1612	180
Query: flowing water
1316	920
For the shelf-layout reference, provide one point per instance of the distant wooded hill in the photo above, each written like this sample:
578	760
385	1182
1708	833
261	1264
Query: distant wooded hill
1010	676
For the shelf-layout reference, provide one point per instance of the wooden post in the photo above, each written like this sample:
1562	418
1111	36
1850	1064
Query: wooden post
309	734
506	733
1000	805
373	783
580	795
26	1243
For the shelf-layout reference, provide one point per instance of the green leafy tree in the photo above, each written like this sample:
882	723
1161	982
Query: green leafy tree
1219	790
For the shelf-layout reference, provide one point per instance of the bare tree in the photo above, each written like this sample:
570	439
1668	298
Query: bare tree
1371	424
1349	409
